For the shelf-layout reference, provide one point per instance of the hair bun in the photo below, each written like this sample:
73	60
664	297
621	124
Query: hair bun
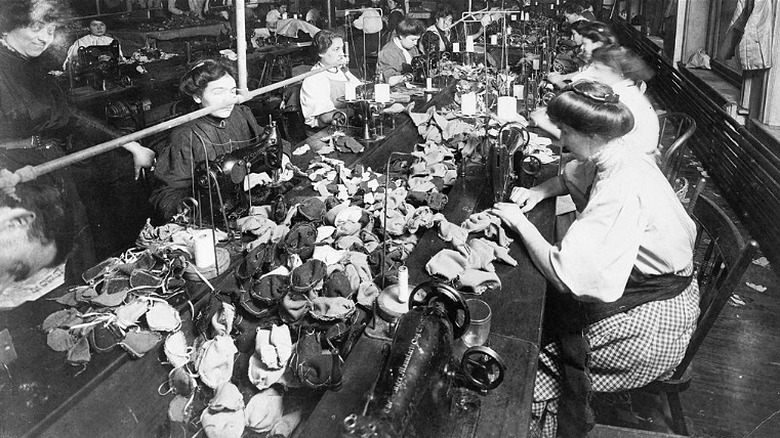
612	98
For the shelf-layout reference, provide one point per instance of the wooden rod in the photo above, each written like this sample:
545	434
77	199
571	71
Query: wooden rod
29	173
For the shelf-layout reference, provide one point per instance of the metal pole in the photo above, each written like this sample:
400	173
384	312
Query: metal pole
241	46
29	173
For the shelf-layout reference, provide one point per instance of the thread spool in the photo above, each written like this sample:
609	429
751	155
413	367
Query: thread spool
455	47
468	104
494	39
382	92
203	249
518	91
470	43
428	83
403	284
350	91
507	107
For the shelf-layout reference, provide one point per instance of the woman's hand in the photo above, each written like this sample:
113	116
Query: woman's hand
511	215
526	199
142	157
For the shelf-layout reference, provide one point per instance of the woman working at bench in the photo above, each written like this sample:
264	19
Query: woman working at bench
625	264
320	93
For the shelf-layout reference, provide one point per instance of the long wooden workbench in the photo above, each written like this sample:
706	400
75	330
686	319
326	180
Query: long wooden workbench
115	395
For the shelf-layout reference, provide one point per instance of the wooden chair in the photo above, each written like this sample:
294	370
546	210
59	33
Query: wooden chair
721	257
676	129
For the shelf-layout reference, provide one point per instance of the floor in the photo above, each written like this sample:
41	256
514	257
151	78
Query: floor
735	392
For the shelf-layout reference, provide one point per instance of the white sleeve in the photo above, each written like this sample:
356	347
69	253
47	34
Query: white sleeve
596	255
315	98
173	9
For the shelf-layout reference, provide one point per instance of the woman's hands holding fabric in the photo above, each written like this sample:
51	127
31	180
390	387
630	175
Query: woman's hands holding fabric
142	157
511	215
526	199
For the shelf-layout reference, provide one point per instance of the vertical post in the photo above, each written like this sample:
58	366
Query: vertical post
330	14
241	45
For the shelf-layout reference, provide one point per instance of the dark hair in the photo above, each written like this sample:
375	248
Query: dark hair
197	78
578	25
53	224
623	61
324	39
18	14
573	8
442	11
591	108
409	27
597	32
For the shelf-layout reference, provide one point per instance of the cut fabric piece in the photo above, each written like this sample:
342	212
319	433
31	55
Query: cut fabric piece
264	410
215	361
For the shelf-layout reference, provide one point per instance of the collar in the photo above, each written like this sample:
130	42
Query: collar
604	158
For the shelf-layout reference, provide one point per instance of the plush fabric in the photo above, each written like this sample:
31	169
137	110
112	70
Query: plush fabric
264	410
215	361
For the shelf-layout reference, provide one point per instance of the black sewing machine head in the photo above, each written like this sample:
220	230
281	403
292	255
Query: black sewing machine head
99	64
420	371
222	177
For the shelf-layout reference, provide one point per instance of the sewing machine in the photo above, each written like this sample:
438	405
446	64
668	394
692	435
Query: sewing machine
97	66
220	181
414	393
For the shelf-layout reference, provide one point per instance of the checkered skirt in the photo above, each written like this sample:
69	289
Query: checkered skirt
628	350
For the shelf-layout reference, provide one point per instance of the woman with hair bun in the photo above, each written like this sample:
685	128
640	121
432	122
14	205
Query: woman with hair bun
627	300
592	35
210	82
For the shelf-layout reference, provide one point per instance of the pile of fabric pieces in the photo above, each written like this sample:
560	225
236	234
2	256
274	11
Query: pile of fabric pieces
449	132
478	242
123	304
302	296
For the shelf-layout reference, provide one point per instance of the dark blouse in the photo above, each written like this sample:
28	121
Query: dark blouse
190	144
30	101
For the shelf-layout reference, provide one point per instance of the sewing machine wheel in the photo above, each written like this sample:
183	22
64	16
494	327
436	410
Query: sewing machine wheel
531	165
483	367
339	119
547	97
514	133
457	310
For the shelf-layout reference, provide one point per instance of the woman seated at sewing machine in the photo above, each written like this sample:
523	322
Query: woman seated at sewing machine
593	35
320	93
395	58
440	36
210	82
623	269
96	37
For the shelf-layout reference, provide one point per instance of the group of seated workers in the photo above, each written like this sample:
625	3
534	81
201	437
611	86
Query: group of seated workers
622	271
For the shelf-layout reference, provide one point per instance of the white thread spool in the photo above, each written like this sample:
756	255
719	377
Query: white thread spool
382	92
518	91
455	47
203	249
494	39
403	284
428	83
468	104
469	43
350	91
507	107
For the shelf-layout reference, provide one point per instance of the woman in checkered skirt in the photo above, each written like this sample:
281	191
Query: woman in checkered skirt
623	268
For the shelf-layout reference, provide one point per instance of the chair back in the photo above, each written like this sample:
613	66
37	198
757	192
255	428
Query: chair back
676	129
721	257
